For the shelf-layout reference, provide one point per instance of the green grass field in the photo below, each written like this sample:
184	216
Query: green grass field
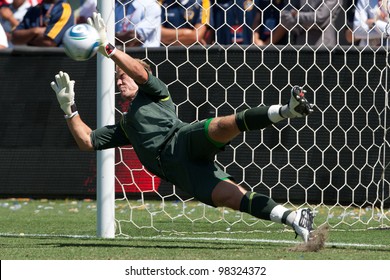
66	230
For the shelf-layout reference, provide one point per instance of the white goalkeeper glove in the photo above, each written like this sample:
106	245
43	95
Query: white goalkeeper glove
105	48
63	87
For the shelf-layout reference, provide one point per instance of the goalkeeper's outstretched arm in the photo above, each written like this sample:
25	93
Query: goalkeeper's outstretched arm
128	64
81	133
64	89
63	86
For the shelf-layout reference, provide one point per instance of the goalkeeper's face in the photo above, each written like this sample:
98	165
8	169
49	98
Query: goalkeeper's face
126	85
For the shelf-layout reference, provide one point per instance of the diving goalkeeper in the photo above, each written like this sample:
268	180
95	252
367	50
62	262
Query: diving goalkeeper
179	152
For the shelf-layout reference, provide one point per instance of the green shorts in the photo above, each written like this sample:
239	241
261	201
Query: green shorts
188	162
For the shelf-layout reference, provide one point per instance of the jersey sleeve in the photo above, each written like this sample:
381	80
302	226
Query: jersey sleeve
109	136
61	19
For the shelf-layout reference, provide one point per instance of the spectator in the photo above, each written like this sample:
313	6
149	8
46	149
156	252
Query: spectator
232	21
350	14
31	2
44	24
138	23
85	11
3	38
4	2
184	22
309	22
12	14
266	20
371	17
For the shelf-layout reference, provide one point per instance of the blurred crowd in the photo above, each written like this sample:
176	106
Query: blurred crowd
154	23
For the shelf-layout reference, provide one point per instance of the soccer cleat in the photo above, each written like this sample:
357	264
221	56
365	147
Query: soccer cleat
303	223
298	106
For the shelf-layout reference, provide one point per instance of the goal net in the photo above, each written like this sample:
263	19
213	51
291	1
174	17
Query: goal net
335	161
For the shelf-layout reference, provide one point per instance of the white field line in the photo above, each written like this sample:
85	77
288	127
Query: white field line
216	239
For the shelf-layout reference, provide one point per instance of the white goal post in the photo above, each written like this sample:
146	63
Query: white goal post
336	161
105	171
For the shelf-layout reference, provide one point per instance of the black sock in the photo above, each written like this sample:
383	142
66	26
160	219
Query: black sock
257	205
253	118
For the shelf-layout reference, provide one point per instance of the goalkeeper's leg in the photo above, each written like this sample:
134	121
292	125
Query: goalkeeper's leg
229	194
224	129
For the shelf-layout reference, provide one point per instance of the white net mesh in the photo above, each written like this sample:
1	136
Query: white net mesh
335	161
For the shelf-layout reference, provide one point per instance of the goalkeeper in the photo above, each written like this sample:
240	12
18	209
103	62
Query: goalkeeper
178	152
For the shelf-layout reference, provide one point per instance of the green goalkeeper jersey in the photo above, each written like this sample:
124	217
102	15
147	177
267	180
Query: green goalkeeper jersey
178	152
147	125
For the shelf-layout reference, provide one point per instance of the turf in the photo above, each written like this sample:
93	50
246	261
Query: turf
66	230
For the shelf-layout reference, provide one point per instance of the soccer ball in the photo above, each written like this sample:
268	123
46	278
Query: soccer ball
81	42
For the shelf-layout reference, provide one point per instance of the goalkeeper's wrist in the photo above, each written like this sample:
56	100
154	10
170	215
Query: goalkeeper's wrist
73	111
71	115
108	49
